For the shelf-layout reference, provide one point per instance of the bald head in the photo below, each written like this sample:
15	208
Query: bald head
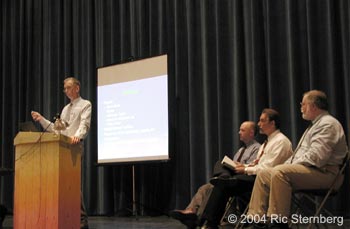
247	131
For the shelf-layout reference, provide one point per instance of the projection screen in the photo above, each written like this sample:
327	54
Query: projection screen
133	111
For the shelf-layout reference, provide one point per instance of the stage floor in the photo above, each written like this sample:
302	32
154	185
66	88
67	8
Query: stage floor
104	222
142	222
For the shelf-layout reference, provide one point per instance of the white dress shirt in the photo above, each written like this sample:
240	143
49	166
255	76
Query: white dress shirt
77	114
276	151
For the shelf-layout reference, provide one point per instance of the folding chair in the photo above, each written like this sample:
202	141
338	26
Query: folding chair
324	194
237	205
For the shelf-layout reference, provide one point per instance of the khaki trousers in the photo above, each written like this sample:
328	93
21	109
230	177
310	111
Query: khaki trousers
272	192
200	199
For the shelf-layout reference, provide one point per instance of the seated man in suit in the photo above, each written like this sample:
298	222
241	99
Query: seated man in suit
275	150
246	154
314	164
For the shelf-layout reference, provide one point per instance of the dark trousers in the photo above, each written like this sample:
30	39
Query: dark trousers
240	185
222	171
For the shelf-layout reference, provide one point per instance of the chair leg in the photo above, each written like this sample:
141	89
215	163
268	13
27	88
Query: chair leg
228	206
318	208
240	225
239	219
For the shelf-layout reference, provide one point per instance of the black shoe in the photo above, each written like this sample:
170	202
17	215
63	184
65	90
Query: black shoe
84	224
188	219
223	181
183	215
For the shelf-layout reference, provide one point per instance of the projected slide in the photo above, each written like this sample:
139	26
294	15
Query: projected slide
133	120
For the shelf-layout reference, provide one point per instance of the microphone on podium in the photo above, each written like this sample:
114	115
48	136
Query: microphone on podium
59	124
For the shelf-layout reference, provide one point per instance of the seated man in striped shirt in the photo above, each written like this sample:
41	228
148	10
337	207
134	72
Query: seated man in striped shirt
245	155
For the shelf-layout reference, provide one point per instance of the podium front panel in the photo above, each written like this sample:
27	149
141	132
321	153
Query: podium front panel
47	182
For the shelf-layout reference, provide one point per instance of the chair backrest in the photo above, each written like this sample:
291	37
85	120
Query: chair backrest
341	173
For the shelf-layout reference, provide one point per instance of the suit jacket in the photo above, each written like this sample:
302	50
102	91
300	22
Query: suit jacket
323	144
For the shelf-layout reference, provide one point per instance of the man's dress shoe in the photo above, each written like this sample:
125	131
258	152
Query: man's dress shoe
187	217
223	181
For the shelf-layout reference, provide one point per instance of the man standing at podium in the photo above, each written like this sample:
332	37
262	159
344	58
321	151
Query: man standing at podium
77	117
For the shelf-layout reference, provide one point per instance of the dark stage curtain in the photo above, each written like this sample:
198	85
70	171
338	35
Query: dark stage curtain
228	59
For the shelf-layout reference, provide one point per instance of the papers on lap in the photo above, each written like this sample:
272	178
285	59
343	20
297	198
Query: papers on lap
229	163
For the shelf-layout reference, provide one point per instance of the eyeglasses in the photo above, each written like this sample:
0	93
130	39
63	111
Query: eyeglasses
264	120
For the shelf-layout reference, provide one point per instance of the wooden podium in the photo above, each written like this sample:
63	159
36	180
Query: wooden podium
47	181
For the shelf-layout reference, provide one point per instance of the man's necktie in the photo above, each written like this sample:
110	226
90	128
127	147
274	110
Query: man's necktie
256	161
241	154
69	110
